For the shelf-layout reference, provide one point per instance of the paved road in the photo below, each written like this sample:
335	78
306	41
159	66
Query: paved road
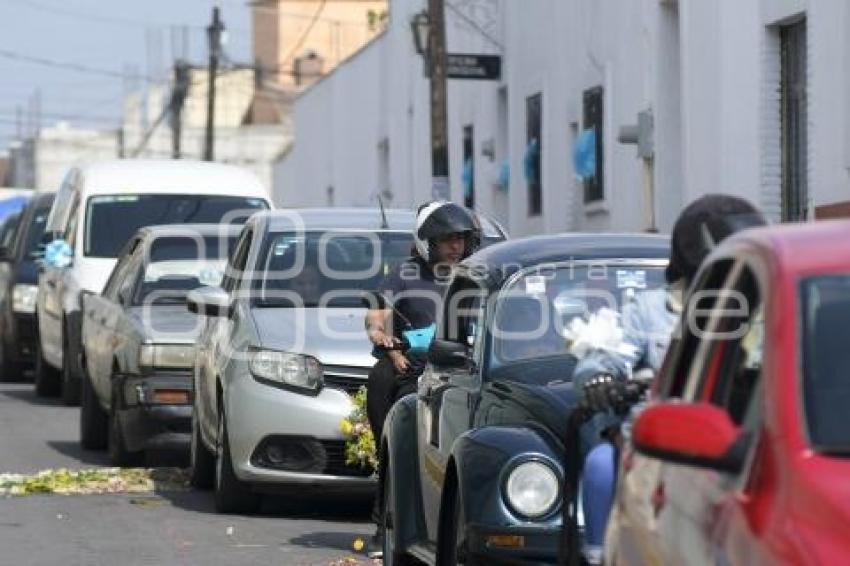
179	528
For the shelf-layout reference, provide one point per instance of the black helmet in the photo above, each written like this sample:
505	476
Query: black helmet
438	219
701	226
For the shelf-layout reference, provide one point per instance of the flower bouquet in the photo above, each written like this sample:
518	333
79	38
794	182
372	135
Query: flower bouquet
360	442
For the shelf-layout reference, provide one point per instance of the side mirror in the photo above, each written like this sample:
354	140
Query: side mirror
448	354
209	301
693	434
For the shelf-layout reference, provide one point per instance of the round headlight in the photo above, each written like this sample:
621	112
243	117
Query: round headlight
532	489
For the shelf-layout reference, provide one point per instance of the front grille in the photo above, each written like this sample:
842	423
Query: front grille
348	379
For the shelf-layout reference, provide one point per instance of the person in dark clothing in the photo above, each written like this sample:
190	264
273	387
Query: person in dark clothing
410	297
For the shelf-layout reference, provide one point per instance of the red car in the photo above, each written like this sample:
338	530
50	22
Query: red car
743	456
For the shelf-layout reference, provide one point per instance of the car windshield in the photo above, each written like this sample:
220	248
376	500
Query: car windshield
36	229
179	264
325	268
826	361
112	219
533	314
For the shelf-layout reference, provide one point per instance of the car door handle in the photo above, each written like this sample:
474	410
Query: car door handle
51	284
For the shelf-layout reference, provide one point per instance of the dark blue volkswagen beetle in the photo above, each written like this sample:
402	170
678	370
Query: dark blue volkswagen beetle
474	461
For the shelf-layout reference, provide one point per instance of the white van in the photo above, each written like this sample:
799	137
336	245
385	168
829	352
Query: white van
96	211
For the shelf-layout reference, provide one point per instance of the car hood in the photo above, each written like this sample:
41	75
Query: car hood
539	390
171	324
92	273
334	336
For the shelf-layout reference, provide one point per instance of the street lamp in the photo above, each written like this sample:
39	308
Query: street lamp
420	25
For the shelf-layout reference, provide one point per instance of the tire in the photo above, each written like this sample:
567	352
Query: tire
201	460
231	494
451	550
392	555
94	421
71	384
47	379
118	453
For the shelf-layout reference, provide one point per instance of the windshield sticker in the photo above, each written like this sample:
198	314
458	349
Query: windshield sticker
535	285
631	279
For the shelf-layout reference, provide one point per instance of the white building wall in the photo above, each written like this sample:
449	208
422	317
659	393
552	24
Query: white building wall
708	70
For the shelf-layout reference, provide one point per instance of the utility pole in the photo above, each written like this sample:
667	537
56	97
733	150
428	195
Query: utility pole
178	99
214	32
439	100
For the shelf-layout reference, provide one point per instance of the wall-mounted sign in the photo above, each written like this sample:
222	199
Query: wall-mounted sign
480	67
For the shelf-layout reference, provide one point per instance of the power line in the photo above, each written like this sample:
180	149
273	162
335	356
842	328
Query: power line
91	17
484	33
306	33
52	116
7	54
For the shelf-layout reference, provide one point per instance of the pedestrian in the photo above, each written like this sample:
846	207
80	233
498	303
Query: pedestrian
648	323
410	298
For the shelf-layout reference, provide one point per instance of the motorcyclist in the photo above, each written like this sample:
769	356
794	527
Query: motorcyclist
648	323
411	295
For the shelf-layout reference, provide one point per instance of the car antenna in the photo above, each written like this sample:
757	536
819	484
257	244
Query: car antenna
384	224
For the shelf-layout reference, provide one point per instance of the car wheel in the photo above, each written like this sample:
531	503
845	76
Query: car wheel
201	460
452	535
47	382
71	385
94	421
118	453
392	555
231	494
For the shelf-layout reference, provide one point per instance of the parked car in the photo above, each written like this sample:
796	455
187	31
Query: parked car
19	257
97	210
283	348
475	459
139	340
742	453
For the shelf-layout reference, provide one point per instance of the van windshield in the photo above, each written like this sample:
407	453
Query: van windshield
112	219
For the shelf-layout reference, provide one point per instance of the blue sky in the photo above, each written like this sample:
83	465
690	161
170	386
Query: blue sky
102	35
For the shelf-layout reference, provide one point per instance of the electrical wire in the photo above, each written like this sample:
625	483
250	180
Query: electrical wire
475	25
8	54
92	17
306	34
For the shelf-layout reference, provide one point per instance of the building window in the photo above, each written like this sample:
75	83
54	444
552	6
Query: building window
592	109
794	122
533	152
468	167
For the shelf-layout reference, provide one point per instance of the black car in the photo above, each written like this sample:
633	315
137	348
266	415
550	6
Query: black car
19	256
475	459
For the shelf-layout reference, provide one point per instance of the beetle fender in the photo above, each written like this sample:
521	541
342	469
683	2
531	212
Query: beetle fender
481	457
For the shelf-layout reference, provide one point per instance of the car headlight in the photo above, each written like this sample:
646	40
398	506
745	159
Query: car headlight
167	356
23	298
291	370
532	489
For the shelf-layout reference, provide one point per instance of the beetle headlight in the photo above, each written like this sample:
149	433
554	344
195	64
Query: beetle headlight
23	298
532	489
167	356
292	370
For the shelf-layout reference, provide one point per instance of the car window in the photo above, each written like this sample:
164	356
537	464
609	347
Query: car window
7	230
35	231
112	219
174	265
110	290
825	310
682	353
734	345
462	319
237	261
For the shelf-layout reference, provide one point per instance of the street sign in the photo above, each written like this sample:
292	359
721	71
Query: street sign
480	67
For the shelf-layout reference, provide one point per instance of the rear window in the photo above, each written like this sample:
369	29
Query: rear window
112	219
826	361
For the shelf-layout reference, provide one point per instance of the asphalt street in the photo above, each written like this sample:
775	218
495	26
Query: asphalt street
163	528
